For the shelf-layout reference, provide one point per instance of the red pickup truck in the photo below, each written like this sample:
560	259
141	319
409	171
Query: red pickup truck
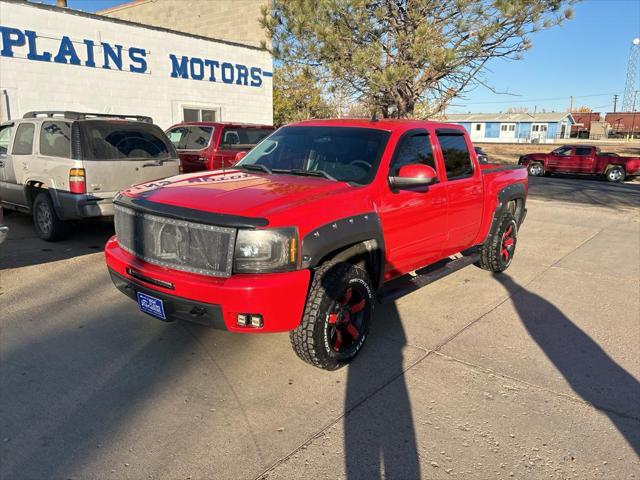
584	160
211	145
313	224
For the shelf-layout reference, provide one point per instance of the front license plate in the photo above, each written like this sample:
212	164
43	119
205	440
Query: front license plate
151	305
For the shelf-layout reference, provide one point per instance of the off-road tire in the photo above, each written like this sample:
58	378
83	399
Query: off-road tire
535	169
48	225
615	174
310	339
491	256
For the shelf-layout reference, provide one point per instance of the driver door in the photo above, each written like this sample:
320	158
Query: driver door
414	220
562	159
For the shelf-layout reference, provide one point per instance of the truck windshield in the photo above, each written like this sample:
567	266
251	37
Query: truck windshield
348	154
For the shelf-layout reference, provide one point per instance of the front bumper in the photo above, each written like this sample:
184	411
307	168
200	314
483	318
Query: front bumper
73	206
279	297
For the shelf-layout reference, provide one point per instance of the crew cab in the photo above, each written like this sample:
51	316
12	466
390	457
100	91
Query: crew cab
61	166
212	145
311	226
583	160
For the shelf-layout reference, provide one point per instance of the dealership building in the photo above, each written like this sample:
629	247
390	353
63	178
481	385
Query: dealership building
54	58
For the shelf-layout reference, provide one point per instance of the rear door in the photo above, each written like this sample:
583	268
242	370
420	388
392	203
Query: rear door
117	154
237	139
465	199
585	159
17	162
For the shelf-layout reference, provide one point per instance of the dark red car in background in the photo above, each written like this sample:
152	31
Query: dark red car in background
212	145
582	160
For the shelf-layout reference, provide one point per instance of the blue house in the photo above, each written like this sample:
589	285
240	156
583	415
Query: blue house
515	127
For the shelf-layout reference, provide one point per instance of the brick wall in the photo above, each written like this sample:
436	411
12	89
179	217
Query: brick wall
46	85
235	20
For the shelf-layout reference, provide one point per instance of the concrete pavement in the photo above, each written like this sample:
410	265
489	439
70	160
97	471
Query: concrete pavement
531	374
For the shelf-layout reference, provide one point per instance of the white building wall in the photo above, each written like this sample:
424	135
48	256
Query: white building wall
41	85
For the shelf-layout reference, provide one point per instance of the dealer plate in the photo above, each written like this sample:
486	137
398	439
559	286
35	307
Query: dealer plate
151	305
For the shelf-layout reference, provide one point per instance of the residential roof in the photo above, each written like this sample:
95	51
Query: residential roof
509	117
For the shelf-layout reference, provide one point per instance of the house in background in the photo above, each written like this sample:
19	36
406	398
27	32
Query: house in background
515	127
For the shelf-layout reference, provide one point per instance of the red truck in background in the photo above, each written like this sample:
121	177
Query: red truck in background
584	160
311	226
211	145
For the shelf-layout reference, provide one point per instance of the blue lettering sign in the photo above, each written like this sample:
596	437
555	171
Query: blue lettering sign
111	55
11	37
179	69
137	57
66	50
90	61
33	50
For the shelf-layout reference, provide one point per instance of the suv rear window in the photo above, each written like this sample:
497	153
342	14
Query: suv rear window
242	138
116	140
190	137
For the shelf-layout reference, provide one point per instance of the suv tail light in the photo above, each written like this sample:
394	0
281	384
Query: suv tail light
77	183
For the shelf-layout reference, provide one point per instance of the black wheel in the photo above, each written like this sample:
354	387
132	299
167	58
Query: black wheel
48	225
615	174
535	169
497	252
336	317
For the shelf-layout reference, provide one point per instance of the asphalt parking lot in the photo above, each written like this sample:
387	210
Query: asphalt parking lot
531	374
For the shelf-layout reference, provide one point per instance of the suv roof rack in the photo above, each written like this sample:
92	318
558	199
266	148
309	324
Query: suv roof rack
84	116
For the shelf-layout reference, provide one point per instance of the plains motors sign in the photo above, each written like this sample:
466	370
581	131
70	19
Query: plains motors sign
25	44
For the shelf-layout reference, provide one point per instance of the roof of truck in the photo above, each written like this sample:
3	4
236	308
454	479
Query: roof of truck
388	124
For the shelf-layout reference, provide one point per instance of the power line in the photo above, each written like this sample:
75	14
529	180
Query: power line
539	99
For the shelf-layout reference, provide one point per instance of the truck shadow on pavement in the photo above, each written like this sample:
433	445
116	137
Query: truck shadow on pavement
23	248
589	371
585	190
379	433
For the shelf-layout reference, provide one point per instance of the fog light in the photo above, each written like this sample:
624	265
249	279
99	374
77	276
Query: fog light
256	321
243	320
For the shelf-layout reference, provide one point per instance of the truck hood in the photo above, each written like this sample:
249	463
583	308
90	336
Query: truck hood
238	192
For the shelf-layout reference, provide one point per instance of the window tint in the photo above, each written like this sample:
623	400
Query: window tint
562	151
55	139
583	151
104	140
414	148
242	138
190	137
457	160
5	136
23	144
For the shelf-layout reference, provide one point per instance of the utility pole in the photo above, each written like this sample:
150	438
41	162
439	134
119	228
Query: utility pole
615	102
571	103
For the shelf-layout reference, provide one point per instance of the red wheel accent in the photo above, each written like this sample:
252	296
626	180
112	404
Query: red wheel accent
346	320
358	306
507	243
353	331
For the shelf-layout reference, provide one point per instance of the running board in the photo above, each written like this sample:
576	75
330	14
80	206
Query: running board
399	287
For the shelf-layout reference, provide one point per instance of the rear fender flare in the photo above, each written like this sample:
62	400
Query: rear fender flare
515	191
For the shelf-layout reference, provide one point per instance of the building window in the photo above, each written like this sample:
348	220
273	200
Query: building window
508	127
478	127
191	114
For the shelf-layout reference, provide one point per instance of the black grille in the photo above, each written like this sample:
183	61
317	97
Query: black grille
172	243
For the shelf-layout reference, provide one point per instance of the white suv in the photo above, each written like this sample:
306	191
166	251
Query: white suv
62	166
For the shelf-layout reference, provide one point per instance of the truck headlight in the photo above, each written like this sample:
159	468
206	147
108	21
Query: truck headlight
265	251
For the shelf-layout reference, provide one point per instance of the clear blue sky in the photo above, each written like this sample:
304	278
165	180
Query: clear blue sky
585	57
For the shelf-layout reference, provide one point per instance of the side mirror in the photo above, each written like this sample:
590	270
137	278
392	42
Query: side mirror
240	156
414	175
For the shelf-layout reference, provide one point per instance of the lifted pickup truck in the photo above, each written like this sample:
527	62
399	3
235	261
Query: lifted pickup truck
584	160
310	226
